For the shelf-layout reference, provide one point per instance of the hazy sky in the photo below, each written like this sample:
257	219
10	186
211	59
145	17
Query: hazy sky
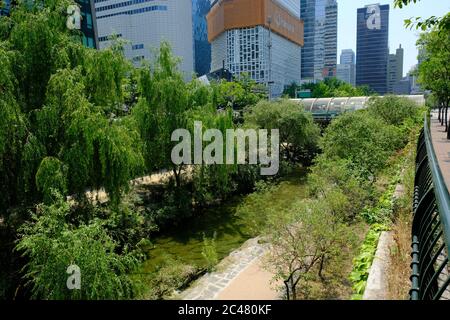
397	32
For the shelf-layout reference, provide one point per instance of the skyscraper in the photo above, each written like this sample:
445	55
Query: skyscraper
347	56
392	73
344	72
202	48
372	50
266	46
330	39
319	54
88	23
145	23
395	69
399	54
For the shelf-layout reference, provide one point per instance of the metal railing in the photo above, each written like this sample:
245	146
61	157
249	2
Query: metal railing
431	226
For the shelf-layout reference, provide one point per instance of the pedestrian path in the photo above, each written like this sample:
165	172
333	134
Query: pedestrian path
240	276
441	147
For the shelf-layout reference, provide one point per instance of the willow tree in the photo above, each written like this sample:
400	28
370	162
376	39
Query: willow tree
37	27
52	245
212	180
13	131
161	109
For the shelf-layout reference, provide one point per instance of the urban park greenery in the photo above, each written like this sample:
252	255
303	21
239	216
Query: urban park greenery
78	125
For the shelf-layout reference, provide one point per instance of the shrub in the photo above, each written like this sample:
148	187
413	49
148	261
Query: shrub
392	110
364	140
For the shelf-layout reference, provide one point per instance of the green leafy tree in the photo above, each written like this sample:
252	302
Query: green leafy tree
366	141
51	245
334	181
161	110
298	132
442	23
393	110
304	241
240	93
434	71
332	87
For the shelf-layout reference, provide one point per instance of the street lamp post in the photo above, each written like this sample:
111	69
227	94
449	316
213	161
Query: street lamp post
269	45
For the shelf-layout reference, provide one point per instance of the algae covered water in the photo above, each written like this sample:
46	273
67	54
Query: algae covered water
185	242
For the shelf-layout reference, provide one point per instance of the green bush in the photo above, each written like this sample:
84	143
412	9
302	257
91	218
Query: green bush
364	140
393	110
335	181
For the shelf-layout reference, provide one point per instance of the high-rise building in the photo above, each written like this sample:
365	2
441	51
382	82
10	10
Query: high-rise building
392	73
330	39
344	72
145	23
400	57
319	53
261	38
346	68
372	50
395	69
4	7
88	23
202	48
347	56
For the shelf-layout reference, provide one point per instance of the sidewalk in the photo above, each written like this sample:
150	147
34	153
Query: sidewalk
240	276
441	147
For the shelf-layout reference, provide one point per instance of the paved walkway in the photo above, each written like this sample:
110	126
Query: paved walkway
441	147
240	276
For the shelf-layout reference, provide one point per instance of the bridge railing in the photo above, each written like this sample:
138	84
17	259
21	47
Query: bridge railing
431	226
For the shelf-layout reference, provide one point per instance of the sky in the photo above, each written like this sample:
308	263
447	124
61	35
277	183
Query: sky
398	34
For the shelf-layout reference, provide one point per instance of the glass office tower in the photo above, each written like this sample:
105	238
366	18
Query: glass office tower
88	23
202	48
319	54
372	47
144	24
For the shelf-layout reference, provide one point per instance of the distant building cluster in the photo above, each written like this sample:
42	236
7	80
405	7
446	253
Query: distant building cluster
275	42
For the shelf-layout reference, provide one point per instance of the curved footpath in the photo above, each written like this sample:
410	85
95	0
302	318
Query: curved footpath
240	276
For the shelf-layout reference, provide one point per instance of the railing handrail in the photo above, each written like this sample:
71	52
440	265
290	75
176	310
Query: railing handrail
440	188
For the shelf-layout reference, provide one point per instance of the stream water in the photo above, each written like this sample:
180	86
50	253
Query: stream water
185	242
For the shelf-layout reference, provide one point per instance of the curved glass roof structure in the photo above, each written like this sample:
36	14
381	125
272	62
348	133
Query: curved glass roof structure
333	106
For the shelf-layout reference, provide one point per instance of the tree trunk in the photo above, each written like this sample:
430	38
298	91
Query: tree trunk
446	118
177	177
447	124
439	115
322	262
294	293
